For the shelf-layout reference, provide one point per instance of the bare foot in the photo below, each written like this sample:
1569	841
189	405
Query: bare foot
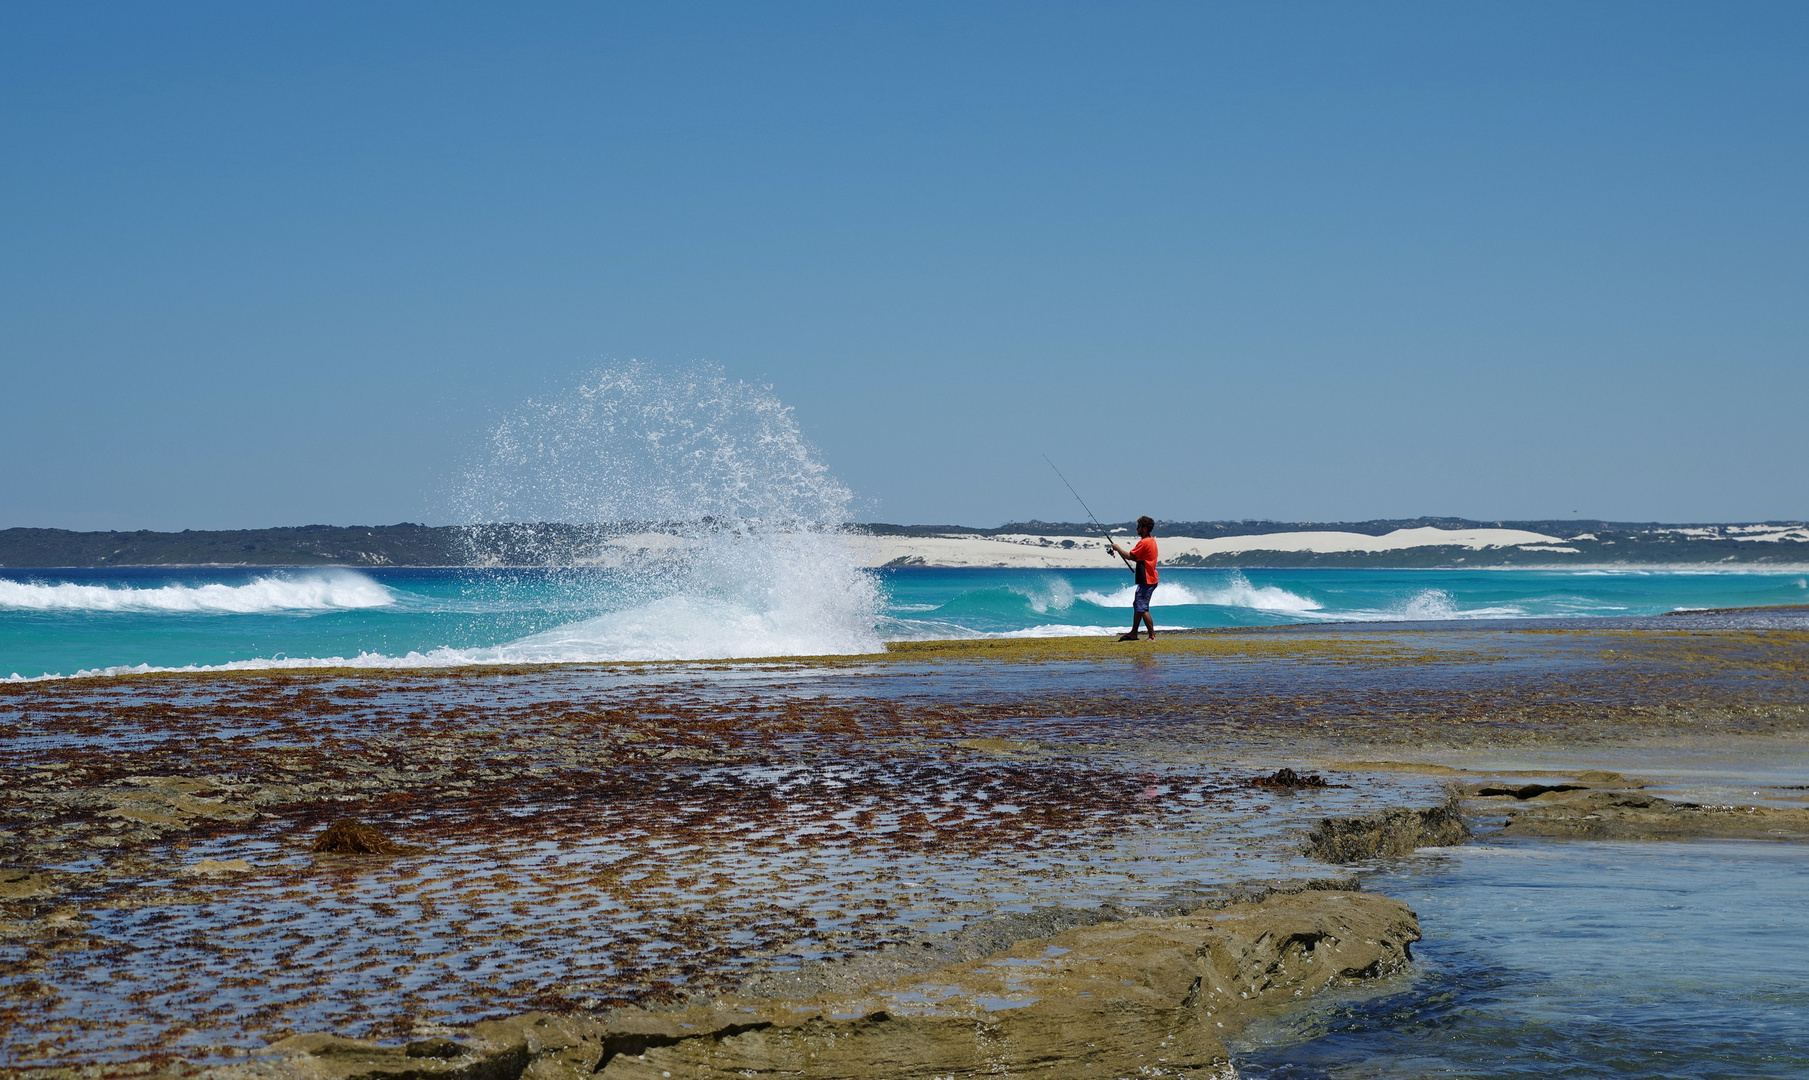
1132	636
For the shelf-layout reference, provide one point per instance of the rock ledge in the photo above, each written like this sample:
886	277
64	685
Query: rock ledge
1145	996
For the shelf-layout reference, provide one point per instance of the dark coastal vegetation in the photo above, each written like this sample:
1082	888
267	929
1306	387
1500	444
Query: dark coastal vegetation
308	545
408	544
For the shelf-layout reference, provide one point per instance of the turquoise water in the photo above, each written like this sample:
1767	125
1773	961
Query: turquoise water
69	621
1576	960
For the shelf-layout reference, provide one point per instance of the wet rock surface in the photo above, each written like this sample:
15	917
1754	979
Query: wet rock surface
1143	996
348	837
646	838
1588	814
1398	830
24	885
991	935
1288	781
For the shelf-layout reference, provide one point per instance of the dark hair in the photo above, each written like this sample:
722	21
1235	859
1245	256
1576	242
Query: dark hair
1147	522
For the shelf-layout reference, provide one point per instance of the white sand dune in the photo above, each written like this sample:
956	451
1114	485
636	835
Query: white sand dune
1067	552
1031	551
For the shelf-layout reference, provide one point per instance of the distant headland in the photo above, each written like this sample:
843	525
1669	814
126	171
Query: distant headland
1417	542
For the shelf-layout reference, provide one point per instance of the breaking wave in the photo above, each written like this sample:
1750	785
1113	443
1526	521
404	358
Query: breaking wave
1235	592
1434	605
325	591
1054	594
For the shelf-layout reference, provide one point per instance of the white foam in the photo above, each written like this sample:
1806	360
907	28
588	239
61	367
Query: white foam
315	591
1427	605
1235	592
1060	630
434	658
912	630
788	594
1437	604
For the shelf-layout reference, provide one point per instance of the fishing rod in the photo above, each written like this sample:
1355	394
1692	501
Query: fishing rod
1088	509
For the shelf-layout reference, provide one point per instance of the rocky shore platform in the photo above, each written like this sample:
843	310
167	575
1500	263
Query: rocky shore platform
1599	812
979	856
1140	996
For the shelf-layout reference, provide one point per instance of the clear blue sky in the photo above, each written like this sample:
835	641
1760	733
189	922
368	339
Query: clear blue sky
273	264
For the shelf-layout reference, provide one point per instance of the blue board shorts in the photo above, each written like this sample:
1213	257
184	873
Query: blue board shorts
1144	592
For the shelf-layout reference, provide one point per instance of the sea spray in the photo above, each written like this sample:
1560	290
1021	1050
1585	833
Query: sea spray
718	528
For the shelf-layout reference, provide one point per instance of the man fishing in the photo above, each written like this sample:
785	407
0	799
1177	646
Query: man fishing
1143	553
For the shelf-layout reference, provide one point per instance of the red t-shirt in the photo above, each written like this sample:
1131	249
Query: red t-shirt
1143	553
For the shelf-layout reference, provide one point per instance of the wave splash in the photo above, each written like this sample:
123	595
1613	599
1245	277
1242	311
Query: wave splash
786	594
714	529
326	591
721	532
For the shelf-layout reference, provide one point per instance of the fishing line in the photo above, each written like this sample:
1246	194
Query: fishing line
1088	509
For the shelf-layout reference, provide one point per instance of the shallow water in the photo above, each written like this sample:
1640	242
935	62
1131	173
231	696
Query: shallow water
1579	960
553	903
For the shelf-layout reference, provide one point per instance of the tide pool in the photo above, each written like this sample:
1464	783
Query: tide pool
1577	960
